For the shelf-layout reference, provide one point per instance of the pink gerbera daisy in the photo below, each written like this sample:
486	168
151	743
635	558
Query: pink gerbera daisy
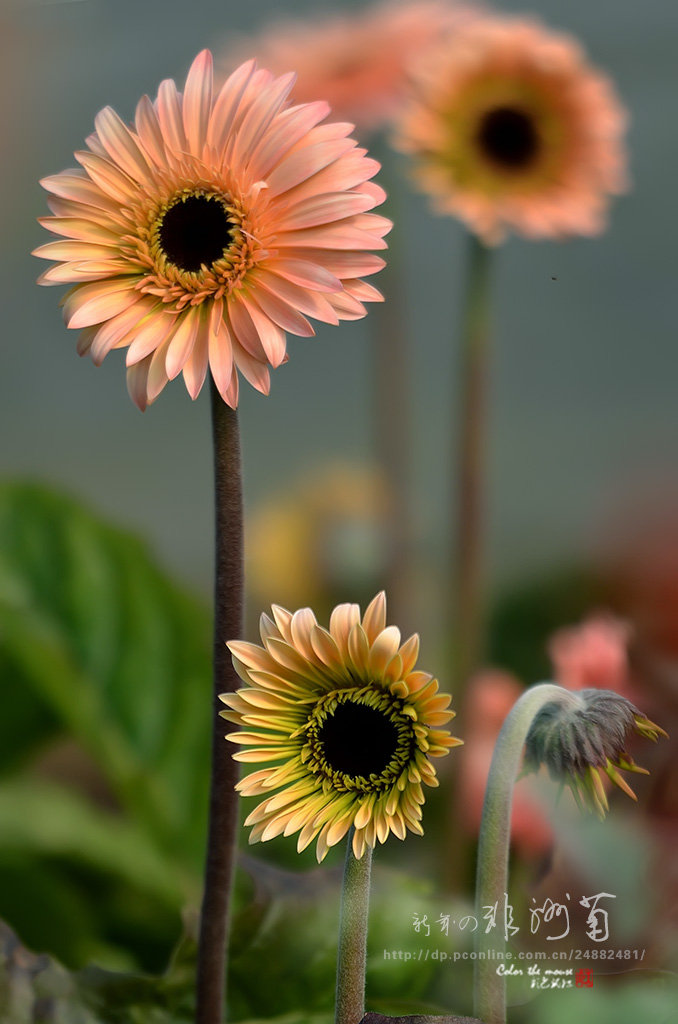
212	227
356	61
510	128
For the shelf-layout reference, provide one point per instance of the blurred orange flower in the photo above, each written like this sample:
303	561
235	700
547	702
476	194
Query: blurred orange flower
511	128
593	654
356	61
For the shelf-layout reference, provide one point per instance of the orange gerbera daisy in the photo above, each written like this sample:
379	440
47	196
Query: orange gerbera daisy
343	723
357	62
511	128
215	225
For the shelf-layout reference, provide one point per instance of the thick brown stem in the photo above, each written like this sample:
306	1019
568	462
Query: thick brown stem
228	625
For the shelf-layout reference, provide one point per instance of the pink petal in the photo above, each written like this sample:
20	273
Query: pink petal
149	336
85	340
306	274
346	307
157	378
76	273
82	229
149	132
304	163
114	218
272	337
198	102
227	103
259	117
170	118
363	291
231	394
377	193
245	331
348	172
311	303
74	250
257	81
116	330
137	377
323	209
289	127
107	176
282	314
186	327
99	301
339	236
195	368
341	263
120	145
220	355
252	370
78	188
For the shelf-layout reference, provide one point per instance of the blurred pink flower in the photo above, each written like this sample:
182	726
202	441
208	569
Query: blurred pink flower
356	61
488	700
511	128
593	654
217	224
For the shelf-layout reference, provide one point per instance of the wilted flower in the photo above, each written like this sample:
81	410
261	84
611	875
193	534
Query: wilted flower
357	61
215	225
344	723
511	128
579	737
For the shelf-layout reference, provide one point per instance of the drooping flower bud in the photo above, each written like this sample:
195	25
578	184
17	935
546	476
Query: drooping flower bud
580	737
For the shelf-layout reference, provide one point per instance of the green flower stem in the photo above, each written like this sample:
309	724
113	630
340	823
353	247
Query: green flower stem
392	405
465	581
352	954
467	569
228	623
494	841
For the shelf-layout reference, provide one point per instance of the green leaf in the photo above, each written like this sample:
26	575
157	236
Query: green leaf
284	942
44	819
113	652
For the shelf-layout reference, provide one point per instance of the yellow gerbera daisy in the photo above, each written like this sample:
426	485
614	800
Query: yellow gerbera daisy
344	723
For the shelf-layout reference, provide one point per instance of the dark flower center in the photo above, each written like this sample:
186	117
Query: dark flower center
358	740
508	137
195	231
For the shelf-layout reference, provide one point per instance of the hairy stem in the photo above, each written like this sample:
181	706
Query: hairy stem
494	842
352	955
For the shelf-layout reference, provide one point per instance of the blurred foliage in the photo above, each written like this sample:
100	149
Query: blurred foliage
99	649
105	673
524	617
654	999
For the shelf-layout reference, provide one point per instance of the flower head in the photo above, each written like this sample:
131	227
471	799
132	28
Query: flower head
511	128
343	723
357	61
583	734
216	224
